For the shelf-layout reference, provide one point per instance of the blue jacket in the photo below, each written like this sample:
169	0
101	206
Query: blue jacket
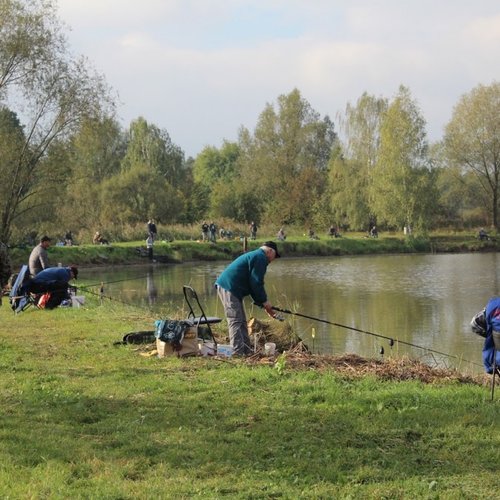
245	276
492	323
53	274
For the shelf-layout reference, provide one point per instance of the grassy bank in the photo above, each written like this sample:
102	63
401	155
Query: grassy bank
82	418
134	252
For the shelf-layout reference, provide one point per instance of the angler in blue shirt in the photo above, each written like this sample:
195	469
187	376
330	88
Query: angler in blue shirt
54	280
243	277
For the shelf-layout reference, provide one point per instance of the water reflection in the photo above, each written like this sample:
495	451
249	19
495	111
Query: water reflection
151	288
427	300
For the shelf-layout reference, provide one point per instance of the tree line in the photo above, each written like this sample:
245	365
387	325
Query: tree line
66	163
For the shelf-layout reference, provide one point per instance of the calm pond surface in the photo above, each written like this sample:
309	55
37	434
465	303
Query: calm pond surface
426	300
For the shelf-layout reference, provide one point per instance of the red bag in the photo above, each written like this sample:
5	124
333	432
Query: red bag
42	301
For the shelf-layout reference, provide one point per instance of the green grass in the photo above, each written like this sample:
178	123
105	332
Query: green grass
81	418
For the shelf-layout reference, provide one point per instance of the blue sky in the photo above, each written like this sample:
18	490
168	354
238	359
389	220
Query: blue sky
201	69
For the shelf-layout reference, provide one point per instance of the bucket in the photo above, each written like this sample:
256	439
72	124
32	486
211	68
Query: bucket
77	300
207	348
269	348
224	350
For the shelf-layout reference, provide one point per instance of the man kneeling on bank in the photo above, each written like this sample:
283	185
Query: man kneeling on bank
245	276
54	280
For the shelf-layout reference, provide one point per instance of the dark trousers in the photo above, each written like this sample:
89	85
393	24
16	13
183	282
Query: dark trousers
58	291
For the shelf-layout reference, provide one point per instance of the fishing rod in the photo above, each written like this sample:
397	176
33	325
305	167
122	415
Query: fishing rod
115	281
378	335
102	296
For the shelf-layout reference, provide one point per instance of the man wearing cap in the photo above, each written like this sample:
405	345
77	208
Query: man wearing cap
39	258
54	280
243	277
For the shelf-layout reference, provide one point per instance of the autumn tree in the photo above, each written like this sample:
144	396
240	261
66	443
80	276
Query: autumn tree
94	153
402	186
150	180
149	145
286	158
351	170
472	141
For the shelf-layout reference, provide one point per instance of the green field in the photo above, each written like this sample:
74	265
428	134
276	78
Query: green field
83	418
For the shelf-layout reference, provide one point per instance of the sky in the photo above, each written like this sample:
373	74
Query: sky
202	69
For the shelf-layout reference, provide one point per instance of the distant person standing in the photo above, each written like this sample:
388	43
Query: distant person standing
39	257
253	230
152	231
213	231
68	239
204	231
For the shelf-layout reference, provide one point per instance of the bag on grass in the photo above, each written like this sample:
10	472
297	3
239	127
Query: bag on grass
171	331
142	337
44	300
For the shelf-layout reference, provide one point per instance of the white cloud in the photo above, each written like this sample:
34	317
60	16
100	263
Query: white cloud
202	68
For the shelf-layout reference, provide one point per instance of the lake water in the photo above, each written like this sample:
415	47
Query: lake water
426	300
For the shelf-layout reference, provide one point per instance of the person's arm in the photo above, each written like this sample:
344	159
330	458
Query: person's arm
258	270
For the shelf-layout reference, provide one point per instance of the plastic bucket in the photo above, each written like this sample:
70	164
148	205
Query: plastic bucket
269	348
77	300
224	350
207	348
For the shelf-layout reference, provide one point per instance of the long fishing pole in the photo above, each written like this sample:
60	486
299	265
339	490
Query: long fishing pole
390	339
115	281
103	296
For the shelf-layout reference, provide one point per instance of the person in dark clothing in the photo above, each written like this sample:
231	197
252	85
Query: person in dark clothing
68	239
212	229
54	280
152	231
204	231
253	230
483	235
243	277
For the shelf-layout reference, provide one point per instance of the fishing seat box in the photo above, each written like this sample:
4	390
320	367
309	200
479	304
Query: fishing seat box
189	345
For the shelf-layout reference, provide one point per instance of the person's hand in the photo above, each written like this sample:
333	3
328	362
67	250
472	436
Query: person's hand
269	309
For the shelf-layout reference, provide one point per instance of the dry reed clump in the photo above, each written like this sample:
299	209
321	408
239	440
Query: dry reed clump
354	366
299	357
281	333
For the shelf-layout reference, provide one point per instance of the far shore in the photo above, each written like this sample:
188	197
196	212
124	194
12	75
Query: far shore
134	252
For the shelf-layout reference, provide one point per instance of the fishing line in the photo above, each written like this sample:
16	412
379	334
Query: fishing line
115	281
390	339
102	296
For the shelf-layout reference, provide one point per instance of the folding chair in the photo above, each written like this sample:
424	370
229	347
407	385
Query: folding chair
191	298
20	300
